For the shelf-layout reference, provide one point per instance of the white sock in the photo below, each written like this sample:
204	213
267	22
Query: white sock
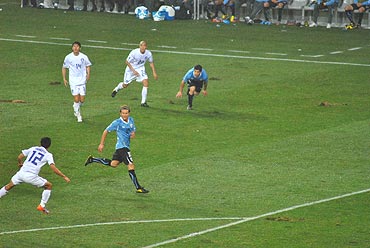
119	86
76	107
3	192
45	197
144	93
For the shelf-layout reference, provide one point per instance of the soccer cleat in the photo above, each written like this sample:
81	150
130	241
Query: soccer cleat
89	160
42	209
189	107
79	117
142	190
144	105
313	25
114	93
328	25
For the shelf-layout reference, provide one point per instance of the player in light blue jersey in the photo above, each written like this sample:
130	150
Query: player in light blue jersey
125	129
196	79
362	6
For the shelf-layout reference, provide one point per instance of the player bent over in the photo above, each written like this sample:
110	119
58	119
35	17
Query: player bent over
125	130
196	79
37	157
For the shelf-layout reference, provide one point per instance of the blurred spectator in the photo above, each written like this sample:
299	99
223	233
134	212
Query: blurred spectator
94	8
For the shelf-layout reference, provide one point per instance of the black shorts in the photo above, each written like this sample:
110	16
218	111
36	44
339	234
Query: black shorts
197	83
123	155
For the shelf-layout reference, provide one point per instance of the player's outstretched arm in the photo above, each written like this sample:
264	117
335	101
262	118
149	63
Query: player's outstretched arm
59	173
179	93
102	141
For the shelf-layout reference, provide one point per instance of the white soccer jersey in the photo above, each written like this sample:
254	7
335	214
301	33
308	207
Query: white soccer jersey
37	157
77	68
137	59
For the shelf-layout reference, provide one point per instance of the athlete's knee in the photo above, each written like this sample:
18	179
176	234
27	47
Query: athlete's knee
48	185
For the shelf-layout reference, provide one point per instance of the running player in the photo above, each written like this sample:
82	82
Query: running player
135	70
125	130
196	79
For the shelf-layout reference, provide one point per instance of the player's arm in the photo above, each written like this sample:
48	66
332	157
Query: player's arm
132	68
133	135
179	93
102	141
59	173
20	159
153	70
88	73
64	74
205	85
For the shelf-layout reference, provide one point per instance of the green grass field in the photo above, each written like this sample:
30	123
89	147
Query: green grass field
257	163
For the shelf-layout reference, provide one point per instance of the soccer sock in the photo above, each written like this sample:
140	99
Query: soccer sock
3	192
280	13
134	179
349	15
119	87
104	161
360	16
144	93
45	197
190	100
267	13
76	107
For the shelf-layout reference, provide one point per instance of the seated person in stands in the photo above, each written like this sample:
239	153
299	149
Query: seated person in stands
318	5
359	5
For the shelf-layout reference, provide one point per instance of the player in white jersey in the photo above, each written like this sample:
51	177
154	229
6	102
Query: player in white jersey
78	65
135	70
36	158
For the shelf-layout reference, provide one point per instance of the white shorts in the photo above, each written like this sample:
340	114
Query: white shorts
130	76
26	177
78	90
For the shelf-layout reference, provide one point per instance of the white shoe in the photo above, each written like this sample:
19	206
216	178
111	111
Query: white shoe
328	25
313	25
79	117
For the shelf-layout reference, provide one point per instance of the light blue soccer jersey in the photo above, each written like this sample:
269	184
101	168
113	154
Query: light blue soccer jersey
189	76
123	130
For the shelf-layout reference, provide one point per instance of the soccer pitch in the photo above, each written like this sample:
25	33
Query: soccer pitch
275	156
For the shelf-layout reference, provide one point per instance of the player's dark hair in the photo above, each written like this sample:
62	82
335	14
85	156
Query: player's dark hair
124	107
45	142
76	43
198	68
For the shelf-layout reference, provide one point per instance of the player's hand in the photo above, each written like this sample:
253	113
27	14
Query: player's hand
100	147
65	82
205	93
179	94
155	76
66	179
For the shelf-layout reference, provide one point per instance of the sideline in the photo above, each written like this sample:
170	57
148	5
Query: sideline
194	53
239	221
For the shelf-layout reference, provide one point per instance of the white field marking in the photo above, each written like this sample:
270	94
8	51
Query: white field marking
280	54
355	48
247	219
117	223
25	36
313	56
197	54
239	220
202	49
336	52
97	41
56	38
130	44
167	47
238	51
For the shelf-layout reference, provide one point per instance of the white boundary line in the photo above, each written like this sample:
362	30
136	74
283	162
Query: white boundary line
198	54
254	218
240	220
